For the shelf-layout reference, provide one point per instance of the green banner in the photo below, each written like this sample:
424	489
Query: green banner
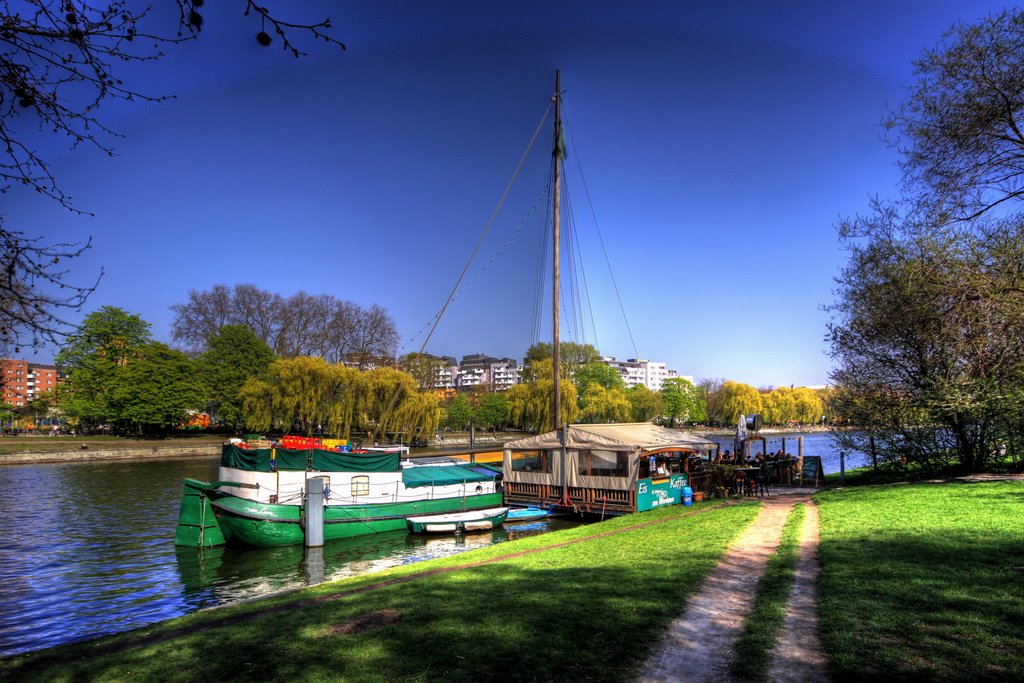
651	494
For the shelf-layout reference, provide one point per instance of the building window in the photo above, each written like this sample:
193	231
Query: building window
531	461
360	485
597	463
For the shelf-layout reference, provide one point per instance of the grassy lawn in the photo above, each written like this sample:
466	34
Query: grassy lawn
579	611
923	582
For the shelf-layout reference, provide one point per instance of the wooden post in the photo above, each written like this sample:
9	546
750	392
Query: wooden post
556	159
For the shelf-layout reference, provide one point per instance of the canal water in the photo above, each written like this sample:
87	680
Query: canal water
89	550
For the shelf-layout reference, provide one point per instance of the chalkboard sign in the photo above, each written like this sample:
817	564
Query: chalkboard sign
812	474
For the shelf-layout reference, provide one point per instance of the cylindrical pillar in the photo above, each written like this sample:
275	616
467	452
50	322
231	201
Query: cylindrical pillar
314	531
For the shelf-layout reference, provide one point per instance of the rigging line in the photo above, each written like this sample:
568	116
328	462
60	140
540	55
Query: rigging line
578	276
539	277
572	258
501	250
575	236
615	285
487	226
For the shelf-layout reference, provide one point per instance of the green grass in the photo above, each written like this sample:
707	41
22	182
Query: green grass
580	611
923	582
753	651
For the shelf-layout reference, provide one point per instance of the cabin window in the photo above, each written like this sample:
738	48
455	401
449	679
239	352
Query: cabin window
597	463
531	461
360	485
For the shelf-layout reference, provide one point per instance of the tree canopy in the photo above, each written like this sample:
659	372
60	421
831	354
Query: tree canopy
299	325
930	306
117	375
232	356
960	130
310	395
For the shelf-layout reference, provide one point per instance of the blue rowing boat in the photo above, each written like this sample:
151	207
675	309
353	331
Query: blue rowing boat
527	514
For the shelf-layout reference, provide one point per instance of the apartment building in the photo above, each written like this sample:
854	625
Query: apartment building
638	371
23	381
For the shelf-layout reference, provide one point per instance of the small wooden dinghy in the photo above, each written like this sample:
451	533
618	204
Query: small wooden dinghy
457	522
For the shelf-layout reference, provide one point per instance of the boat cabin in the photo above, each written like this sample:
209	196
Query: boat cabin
606	469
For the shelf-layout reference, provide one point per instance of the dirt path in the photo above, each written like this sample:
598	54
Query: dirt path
797	655
700	644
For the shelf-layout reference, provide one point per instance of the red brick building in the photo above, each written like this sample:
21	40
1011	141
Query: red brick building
22	381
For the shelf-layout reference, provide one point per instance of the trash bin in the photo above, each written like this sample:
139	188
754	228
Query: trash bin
687	495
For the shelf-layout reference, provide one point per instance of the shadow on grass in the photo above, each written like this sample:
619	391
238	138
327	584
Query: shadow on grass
587	611
927	587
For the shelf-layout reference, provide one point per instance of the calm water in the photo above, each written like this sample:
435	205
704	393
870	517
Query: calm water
89	551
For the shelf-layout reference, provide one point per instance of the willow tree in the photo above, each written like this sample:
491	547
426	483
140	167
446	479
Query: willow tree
311	395
599	404
530	403
778	406
645	405
739	399
391	403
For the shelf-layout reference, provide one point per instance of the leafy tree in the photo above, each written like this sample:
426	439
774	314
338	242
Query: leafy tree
597	372
423	367
645	405
807	405
531	405
925	333
714	400
119	376
59	64
739	399
682	401
155	391
108	340
233	356
573	357
599	404
458	413
961	130
929	307
110	333
778	407
492	411
311	395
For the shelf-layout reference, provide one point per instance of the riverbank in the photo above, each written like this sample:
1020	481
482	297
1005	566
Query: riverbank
592	603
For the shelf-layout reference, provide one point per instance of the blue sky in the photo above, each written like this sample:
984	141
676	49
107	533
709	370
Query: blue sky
719	144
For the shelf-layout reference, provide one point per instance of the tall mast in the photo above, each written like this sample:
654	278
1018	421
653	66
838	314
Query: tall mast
556	156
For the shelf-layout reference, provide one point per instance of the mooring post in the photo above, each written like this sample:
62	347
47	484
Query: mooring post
314	512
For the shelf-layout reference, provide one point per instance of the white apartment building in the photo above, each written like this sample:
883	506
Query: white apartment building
638	371
505	373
